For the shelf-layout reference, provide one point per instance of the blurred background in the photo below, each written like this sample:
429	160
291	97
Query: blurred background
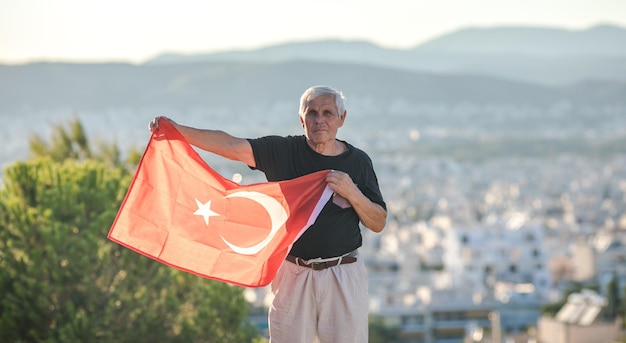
497	129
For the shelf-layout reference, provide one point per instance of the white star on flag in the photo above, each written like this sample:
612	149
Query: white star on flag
204	210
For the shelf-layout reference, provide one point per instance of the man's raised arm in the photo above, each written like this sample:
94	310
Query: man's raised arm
214	141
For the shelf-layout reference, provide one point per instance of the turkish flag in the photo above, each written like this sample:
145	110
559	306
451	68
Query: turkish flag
182	213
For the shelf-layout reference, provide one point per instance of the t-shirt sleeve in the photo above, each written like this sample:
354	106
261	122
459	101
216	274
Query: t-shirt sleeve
269	152
371	189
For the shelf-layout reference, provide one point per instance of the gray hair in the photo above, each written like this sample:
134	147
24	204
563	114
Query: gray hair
315	91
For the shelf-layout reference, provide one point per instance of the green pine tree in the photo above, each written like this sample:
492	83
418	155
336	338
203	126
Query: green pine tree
613	299
71	142
62	280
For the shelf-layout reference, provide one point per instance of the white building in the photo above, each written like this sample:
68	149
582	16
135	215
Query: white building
507	256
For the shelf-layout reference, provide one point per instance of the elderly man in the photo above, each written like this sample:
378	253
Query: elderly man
320	291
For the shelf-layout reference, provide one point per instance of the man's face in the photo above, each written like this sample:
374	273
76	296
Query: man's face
321	120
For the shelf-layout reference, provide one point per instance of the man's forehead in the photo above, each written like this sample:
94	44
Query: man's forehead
324	101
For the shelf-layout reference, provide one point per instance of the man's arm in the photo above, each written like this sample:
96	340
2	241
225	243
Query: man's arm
215	141
372	215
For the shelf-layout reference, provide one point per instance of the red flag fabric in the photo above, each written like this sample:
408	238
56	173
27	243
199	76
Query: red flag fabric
181	212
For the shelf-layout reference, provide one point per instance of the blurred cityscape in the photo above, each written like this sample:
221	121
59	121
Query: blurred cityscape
497	230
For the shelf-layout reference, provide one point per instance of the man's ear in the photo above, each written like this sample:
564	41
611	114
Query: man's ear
301	121
342	117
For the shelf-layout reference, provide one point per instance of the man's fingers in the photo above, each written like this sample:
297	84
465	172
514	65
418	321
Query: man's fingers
154	124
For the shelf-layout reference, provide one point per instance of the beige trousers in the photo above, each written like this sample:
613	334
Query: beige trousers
326	306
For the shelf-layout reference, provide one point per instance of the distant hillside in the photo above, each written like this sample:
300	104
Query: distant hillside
550	56
50	85
325	51
600	41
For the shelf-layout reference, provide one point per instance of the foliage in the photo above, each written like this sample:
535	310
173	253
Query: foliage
614	301
62	280
379	332
72	143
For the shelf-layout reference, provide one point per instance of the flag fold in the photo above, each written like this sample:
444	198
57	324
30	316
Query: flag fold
182	213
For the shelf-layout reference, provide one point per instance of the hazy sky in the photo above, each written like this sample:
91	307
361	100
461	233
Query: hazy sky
134	30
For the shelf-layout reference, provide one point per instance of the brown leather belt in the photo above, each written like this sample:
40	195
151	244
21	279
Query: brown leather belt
321	265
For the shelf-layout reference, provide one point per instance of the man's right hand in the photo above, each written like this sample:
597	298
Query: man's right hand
154	124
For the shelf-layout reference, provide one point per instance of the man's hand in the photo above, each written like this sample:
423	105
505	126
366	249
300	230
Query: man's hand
154	124
341	183
371	215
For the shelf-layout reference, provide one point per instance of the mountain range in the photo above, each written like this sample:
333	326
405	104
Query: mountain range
549	56
510	65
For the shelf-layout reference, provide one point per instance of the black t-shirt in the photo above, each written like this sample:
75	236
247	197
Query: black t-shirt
336	230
